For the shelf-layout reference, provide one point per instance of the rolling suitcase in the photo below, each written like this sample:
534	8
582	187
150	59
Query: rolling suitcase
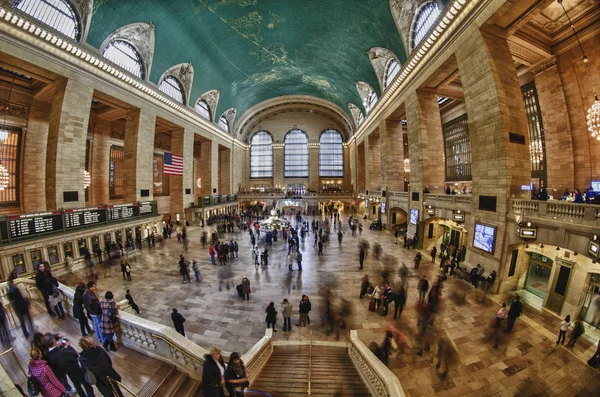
240	290
372	306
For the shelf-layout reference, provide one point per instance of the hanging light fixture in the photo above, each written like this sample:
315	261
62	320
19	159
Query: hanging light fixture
593	117
4	177
87	179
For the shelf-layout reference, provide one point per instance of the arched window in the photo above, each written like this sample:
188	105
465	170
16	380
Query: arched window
331	154
261	155
203	110
224	123
361	117
58	14
391	70
173	88
295	154
126	56
424	20
370	101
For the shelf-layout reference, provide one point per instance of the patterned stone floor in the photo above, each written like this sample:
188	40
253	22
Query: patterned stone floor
526	363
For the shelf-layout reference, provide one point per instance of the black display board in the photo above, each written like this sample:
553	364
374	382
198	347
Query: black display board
122	212
84	217
23	226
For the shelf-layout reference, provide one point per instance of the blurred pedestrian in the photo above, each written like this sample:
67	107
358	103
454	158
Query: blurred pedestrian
562	332
178	321
578	330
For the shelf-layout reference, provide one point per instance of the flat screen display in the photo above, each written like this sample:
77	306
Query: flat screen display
594	249
367	203
383	208
414	216
484	238
596	186
21	226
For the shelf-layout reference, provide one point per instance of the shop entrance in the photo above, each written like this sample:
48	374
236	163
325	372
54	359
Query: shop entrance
590	313
538	275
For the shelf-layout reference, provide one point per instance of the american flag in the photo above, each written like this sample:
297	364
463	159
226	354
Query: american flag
173	164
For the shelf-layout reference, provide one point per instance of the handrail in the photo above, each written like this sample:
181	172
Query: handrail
258	355
309	362
11	350
112	382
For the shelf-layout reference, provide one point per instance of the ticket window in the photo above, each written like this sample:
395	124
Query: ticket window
95	243
138	231
53	254
107	241
19	264
36	258
68	249
82	246
119	236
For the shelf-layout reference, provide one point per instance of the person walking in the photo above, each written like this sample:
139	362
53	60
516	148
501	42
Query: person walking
97	361
183	270
213	374
377	291
387	297
286	311
594	361
123	271
132	303
196	269
40	283
78	312
562	332
417	260
515	311
399	301
49	384
109	320
246	290
54	297
211	252
271	317
299	260
92	306
128	270
364	286
578	330
236	377
361	257
178	321
433	252
68	361
304	309
21	307
422	286
501	315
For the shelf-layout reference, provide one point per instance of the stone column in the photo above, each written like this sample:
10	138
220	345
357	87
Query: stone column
392	155
203	167
214	167
182	144
374	161
348	170
35	145
495	107
238	168
99	170
557	128
313	167
67	134
224	170
139	154
361	166
278	165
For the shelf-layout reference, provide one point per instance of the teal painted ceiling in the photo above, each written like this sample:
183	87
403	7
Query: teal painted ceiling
254	50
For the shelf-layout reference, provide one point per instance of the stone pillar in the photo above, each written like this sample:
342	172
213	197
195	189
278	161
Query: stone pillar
392	155
557	128
204	167
35	145
349	178
214	167
182	144
139	154
374	161
361	166
224	170
238	168
99	169
278	165
67	134
313	167
495	107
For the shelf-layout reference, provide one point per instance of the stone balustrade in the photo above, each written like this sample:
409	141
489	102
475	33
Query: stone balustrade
379	379
555	210
258	355
449	201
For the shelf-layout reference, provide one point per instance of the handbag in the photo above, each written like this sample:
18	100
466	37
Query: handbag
33	385
55	293
89	377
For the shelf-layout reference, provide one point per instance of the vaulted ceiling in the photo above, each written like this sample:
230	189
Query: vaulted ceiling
254	50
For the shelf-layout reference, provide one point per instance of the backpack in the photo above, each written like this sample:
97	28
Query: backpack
111	312
33	385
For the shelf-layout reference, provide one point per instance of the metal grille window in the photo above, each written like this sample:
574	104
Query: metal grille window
361	117
370	101
224	123
173	88
160	180
116	171
295	154
331	154
392	69
126	56
537	143
10	146
457	147
442	99
58	14
261	155
426	17
203	110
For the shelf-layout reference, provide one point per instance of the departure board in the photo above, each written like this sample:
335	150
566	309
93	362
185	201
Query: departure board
121	212
20	226
82	217
146	208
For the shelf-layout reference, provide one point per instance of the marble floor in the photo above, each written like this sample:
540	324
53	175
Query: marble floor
528	362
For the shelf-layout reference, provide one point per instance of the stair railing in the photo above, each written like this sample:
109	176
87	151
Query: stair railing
309	362
114	384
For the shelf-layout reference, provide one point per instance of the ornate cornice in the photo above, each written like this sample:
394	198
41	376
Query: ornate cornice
12	109
543	65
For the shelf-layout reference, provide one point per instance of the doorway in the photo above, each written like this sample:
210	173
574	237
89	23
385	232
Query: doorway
589	309
538	275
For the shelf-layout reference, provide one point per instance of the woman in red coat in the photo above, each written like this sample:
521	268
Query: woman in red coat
50	386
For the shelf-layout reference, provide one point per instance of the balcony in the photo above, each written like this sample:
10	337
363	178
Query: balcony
558	211
257	195
449	202
209	201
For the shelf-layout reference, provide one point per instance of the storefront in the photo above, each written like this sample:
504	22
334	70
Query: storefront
592	294
538	274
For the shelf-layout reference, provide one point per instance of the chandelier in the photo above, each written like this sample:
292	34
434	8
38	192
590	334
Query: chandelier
87	179
4	177
593	117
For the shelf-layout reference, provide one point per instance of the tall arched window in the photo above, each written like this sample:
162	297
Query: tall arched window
126	56
58	14
391	70
424	20
203	110
361	117
295	154
224	123
173	88
331	154
261	155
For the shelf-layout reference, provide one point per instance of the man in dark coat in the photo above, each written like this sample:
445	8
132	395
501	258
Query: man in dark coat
361	257
69	364
515	311
21	307
213	374
54	360
40	283
399	301
178	321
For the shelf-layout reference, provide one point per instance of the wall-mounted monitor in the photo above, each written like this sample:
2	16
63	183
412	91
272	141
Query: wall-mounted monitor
367	203
526	231
594	249
430	211
383	208
595	186
484	237
458	216
414	216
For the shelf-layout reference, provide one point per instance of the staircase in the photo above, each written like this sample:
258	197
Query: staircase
332	373
169	382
